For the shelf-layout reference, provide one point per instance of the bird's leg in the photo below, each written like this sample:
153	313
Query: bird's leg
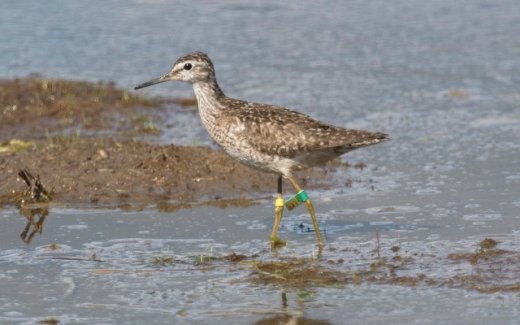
301	195
278	212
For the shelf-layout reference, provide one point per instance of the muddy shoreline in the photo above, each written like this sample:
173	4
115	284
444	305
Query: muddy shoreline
110	172
104	162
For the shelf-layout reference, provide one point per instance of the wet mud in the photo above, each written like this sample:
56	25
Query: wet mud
36	107
118	170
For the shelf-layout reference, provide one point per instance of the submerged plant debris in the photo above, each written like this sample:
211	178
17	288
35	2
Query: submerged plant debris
297	272
493	270
496	273
49	321
496	269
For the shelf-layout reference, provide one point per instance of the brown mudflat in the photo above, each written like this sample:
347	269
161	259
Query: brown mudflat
35	107
114	170
118	172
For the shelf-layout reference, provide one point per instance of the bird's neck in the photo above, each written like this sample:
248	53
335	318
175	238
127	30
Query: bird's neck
208	96
207	91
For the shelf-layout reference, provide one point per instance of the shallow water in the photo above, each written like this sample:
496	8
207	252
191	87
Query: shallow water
110	266
441	77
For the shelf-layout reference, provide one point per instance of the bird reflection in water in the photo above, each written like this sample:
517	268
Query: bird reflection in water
288	318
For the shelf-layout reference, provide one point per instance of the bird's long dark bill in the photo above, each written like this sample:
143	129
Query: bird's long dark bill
153	82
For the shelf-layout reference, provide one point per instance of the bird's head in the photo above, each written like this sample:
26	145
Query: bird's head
193	68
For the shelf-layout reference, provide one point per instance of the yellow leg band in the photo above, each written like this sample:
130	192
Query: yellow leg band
278	211
279	202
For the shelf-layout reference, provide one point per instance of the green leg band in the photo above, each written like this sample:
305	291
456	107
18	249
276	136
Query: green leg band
296	200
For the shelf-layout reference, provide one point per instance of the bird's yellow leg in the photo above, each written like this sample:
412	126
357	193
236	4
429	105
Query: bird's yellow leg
279	204
309	206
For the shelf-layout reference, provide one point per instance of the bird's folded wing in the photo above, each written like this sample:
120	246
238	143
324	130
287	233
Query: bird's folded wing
279	131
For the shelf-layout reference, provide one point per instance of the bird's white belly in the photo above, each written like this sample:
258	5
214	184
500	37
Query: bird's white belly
232	141
261	161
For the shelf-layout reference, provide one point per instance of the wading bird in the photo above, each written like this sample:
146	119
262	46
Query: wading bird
266	137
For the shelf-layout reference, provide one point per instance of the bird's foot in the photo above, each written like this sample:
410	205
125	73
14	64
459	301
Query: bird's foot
277	242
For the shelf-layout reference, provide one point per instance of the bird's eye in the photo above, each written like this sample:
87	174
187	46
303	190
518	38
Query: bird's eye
187	66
